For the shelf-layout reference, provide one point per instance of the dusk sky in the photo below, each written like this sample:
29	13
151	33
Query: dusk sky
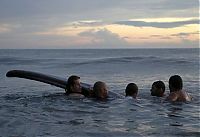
99	24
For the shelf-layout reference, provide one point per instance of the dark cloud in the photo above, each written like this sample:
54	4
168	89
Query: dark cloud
166	37
156	36
25	17
179	4
83	9
181	34
184	35
160	37
44	14
143	38
158	24
68	10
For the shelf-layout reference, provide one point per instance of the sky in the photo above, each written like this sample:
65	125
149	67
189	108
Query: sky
63	24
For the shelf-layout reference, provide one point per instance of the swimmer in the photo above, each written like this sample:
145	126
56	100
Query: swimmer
100	90
131	90
158	89
176	92
74	87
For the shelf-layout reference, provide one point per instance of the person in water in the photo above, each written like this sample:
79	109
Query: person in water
131	90
73	88
100	90
176	92
158	89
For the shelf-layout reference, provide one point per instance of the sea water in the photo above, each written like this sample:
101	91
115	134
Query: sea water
30	108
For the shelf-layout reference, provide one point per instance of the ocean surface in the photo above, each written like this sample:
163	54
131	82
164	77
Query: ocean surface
30	108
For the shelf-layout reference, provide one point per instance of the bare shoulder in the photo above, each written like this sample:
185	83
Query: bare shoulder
179	96
172	96
186	96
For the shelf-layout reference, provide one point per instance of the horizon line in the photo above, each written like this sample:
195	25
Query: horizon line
95	48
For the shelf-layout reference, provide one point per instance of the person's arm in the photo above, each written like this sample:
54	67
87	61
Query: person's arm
172	97
88	92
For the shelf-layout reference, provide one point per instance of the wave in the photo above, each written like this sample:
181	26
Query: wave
133	59
14	60
79	61
24	61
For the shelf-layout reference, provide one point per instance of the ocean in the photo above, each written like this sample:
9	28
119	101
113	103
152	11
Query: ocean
30	108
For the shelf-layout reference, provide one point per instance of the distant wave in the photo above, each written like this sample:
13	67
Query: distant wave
13	60
23	61
109	60
147	59
106	60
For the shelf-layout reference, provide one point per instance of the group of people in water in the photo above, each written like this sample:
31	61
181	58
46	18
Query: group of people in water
100	90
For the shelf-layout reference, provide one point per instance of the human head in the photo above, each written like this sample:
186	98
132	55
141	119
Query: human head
73	84
100	90
131	90
158	89
175	83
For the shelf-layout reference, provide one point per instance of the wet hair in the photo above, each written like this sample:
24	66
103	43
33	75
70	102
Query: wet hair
159	84
131	89
70	82
176	82
96	88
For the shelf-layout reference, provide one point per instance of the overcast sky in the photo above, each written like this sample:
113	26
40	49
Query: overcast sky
99	24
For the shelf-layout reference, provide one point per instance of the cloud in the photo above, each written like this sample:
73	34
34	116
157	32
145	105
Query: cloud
69	28
179	5
186	38
158	24
184	34
93	38
181	35
103	38
61	21
72	10
90	23
160	37
4	28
